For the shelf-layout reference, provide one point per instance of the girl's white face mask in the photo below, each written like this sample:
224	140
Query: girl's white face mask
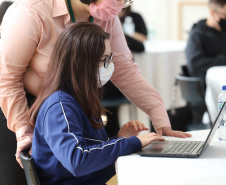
105	74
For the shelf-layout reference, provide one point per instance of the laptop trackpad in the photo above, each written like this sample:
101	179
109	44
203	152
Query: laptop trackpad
157	146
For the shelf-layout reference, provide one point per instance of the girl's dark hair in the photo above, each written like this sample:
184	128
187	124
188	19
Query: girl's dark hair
75	64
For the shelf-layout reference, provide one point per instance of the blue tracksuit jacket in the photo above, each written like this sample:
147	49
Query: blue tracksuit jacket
67	150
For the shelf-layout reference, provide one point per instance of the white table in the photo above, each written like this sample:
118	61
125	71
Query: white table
215	79
209	169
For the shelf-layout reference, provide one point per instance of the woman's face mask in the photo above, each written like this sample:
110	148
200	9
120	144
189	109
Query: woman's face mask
107	9
105	74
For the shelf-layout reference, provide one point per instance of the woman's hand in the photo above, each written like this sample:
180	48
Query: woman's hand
24	137
167	131
23	145
131	128
146	139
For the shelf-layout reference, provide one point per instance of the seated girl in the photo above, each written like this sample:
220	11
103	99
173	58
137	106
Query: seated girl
70	145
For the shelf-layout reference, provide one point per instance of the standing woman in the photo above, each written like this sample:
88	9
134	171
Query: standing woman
29	31
69	132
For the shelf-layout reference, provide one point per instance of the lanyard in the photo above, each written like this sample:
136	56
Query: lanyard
71	12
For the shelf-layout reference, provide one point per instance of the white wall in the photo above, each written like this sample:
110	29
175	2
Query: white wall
163	16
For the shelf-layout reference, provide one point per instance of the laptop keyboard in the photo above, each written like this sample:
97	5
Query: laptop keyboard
181	147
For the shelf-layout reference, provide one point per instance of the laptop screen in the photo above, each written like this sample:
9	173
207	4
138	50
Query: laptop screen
220	117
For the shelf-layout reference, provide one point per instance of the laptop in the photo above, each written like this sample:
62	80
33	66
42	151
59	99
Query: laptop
184	149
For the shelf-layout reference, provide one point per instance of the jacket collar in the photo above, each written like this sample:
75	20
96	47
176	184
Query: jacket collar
60	8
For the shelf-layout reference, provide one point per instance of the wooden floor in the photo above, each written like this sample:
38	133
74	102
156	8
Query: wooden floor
113	181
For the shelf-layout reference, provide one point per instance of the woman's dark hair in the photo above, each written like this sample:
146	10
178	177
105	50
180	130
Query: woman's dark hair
126	11
75	64
87	1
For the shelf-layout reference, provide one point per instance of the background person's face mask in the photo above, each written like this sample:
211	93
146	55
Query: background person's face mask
105	74
222	24
106	10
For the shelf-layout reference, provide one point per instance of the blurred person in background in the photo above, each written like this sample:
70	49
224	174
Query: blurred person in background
139	34
206	46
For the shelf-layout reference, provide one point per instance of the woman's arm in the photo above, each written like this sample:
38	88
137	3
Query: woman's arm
20	34
127	77
139	36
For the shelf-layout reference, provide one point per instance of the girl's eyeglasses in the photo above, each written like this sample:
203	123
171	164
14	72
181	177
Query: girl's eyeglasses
107	60
125	3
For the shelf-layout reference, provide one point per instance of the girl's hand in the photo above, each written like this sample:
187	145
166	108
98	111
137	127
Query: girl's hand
146	139
131	128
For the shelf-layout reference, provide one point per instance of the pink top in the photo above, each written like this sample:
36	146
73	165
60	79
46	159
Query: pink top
28	33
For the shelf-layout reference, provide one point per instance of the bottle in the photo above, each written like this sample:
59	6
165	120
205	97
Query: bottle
222	124
152	32
128	26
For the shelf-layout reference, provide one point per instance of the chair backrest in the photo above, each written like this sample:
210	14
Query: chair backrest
29	168
192	91
185	71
